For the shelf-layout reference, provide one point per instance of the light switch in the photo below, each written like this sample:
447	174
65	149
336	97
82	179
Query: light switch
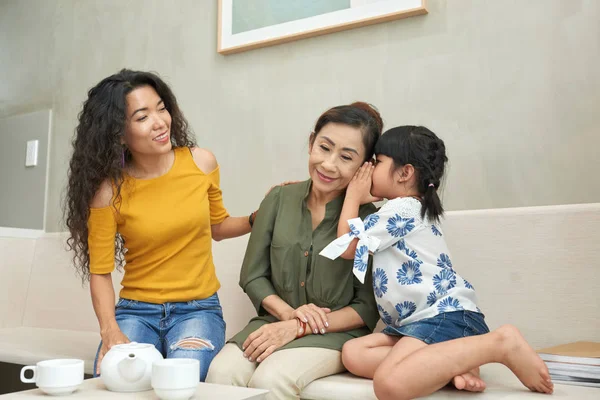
31	158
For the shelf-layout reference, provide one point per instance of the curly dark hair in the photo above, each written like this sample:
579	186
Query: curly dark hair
98	154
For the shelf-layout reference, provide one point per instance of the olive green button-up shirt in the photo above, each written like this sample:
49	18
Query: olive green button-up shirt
283	258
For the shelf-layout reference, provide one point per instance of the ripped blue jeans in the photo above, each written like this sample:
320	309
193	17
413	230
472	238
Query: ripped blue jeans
192	329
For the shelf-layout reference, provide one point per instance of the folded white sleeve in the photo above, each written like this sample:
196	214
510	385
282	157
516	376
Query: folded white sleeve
366	244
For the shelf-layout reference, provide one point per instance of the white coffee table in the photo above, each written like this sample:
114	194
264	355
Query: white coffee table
95	389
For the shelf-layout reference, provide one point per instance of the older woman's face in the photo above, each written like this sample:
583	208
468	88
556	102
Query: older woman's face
334	157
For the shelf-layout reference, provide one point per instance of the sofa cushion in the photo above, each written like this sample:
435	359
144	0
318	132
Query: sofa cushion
27	346
16	255
501	384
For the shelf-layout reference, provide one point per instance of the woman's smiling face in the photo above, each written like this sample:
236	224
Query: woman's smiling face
335	154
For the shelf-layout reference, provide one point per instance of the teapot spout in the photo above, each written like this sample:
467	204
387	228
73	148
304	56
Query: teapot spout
131	368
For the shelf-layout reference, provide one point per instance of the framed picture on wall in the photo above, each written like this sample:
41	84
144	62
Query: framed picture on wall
250	24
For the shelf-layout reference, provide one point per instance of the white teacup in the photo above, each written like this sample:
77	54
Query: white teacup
175	378
55	377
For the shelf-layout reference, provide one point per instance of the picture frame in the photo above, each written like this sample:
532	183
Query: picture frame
250	24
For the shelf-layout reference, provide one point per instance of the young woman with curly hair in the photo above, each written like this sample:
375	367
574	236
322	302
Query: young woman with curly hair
141	193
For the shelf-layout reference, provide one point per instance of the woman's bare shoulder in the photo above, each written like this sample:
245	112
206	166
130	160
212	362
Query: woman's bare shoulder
204	159
103	195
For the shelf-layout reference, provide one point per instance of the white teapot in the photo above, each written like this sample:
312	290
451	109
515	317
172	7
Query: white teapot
128	367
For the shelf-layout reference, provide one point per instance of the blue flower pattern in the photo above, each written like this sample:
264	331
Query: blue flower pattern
361	258
444	281
410	273
401	245
428	270
370	221
432	298
405	309
412	254
449	304
385	316
444	261
380	282
353	230
398	226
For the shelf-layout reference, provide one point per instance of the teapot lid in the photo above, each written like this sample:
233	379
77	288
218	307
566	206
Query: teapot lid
132	346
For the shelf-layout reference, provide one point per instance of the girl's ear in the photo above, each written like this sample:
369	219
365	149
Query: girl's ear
405	173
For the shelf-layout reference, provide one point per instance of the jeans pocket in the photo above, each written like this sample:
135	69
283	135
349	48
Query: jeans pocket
210	303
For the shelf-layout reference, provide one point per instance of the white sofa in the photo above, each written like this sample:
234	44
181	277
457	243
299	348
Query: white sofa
535	267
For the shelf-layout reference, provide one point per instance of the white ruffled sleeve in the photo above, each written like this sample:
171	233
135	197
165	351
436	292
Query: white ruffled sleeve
395	220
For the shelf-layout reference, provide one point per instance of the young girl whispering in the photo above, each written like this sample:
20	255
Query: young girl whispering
435	333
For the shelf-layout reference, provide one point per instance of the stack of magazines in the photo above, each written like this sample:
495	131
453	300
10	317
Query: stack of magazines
574	363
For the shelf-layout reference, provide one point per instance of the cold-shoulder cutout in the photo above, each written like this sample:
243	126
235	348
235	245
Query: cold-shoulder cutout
103	195
205	160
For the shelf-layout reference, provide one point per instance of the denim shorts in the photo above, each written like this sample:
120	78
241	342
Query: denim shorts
442	327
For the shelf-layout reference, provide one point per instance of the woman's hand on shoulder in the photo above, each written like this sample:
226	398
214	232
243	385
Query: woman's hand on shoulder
261	343
103	195
204	159
281	184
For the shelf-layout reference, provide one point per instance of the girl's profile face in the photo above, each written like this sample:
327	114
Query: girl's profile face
383	177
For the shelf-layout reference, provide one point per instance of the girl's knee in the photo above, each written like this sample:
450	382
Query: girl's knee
351	355
350	346
388	386
384	386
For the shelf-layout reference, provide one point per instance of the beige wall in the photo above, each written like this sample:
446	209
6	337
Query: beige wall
512	86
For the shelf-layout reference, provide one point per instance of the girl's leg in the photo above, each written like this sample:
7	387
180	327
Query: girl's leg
432	367
363	355
195	329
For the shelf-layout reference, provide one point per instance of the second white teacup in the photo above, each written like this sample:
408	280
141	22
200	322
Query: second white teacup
175	378
55	377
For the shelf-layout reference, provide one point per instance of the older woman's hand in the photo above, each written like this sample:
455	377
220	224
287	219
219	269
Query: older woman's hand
314	316
268	338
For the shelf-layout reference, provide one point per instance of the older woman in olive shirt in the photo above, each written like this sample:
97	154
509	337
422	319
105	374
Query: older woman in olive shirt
308	306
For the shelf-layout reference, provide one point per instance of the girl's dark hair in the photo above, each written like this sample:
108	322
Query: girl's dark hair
360	115
418	146
98	154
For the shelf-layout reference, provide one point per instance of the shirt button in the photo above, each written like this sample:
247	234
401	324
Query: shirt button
302	284
306	254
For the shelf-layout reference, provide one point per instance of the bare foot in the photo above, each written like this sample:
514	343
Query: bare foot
523	361
469	381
